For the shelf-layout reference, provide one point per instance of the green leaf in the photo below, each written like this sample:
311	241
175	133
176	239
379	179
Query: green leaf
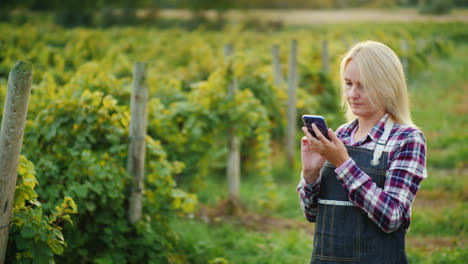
27	192
81	191
35	202
27	231
67	218
70	204
41	254
90	206
56	245
57	233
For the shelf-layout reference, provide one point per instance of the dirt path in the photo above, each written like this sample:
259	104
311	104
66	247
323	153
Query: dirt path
296	17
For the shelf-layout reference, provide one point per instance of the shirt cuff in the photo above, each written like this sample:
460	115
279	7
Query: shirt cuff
312	185
343	166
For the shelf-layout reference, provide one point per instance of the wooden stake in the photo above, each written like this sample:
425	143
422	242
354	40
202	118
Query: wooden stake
233	166
292	83
278	77
404	55
11	138
325	58
136	150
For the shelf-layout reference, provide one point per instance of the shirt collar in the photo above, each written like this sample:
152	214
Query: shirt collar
379	128
376	131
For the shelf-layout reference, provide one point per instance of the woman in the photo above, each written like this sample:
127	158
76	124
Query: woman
359	186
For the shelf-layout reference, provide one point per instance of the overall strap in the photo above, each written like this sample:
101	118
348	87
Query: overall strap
379	148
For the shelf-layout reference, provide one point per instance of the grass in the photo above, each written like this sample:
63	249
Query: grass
238	245
439	226
440	108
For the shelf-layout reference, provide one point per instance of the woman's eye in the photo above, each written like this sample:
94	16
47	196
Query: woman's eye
348	83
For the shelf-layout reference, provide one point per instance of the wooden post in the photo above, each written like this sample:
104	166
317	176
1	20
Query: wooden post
404	55
325	58
420	44
278	77
346	43
136	150
233	166
11	138
292	83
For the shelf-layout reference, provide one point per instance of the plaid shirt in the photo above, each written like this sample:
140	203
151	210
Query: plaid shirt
389	207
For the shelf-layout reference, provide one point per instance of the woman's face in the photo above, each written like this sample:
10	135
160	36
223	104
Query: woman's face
355	94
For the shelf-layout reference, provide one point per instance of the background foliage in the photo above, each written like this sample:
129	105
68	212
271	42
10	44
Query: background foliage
77	132
35	236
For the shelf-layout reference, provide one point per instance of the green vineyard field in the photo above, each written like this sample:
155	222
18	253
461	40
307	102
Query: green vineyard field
76	138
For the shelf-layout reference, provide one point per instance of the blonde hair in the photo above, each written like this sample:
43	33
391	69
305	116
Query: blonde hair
382	78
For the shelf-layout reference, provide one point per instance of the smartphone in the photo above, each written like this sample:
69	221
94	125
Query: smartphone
319	121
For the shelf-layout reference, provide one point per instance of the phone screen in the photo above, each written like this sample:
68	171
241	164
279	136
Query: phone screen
319	121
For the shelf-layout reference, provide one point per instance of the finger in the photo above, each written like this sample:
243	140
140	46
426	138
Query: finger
333	136
307	133
314	141
319	134
307	140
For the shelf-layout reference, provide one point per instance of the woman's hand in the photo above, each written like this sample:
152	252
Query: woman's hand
312	162
334	151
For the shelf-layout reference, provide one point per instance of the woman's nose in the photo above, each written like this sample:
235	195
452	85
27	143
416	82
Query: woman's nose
353	92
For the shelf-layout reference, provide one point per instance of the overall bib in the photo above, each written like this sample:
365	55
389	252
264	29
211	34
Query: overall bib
343	232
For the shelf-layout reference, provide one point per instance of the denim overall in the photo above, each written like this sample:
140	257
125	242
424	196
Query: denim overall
343	232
